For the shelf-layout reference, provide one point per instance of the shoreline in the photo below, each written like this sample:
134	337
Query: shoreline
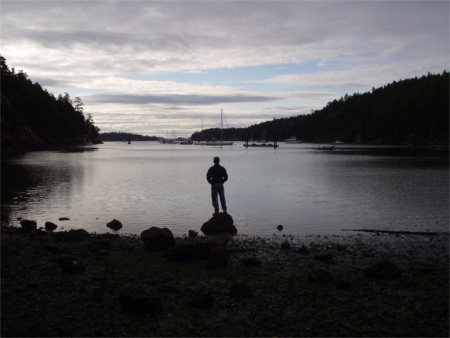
312	286
441	149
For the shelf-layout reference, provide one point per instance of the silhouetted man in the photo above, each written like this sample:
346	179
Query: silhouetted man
217	176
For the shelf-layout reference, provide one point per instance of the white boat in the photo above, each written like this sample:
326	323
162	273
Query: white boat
214	141
293	140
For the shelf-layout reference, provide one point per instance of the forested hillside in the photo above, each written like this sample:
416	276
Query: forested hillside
32	118
413	111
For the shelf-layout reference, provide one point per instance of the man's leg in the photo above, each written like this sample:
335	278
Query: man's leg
215	202
223	202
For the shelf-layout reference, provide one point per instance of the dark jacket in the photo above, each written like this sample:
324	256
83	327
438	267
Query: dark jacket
216	174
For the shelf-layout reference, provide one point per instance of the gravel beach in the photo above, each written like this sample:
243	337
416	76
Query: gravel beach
350	284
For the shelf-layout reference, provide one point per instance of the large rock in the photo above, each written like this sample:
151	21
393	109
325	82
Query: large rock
157	239
192	233
49	226
28	224
114	225
219	224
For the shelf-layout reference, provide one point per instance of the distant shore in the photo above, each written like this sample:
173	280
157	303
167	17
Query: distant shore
11	147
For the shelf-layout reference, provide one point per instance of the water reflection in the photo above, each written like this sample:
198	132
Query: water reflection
387	193
42	179
308	191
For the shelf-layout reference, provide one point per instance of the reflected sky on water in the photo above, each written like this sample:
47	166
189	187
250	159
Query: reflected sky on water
307	190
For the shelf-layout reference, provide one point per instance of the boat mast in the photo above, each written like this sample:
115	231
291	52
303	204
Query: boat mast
221	125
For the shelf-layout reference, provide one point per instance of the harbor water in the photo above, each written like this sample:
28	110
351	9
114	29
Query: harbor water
305	188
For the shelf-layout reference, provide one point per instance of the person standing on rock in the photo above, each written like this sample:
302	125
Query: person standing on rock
217	176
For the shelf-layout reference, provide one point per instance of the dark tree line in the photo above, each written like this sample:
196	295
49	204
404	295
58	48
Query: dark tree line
33	117
122	136
413	111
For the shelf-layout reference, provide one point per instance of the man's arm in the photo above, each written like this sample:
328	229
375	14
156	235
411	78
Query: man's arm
208	176
225	175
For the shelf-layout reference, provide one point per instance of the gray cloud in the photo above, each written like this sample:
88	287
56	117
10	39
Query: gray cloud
45	81
176	99
152	36
89	47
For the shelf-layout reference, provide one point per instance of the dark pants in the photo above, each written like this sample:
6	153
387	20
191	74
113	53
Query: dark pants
217	189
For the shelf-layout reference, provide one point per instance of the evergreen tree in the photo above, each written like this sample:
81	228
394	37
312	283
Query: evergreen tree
412	111
33	117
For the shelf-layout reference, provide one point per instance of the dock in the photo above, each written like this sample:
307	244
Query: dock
273	145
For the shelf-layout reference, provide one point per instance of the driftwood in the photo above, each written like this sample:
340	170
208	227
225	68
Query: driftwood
393	232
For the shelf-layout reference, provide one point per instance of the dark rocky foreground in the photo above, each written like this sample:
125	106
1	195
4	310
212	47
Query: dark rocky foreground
71	284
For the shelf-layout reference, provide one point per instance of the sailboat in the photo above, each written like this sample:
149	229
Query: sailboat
216	142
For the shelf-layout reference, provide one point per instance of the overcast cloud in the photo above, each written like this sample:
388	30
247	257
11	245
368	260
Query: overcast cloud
150	67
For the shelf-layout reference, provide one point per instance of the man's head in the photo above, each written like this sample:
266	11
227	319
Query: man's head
216	160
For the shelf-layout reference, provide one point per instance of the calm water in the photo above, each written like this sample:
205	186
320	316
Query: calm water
150	184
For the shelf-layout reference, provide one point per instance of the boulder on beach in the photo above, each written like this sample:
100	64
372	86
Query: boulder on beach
28	224
158	239
49	226
114	225
222	223
192	233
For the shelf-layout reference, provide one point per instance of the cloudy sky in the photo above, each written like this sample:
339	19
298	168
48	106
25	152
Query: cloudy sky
158	67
